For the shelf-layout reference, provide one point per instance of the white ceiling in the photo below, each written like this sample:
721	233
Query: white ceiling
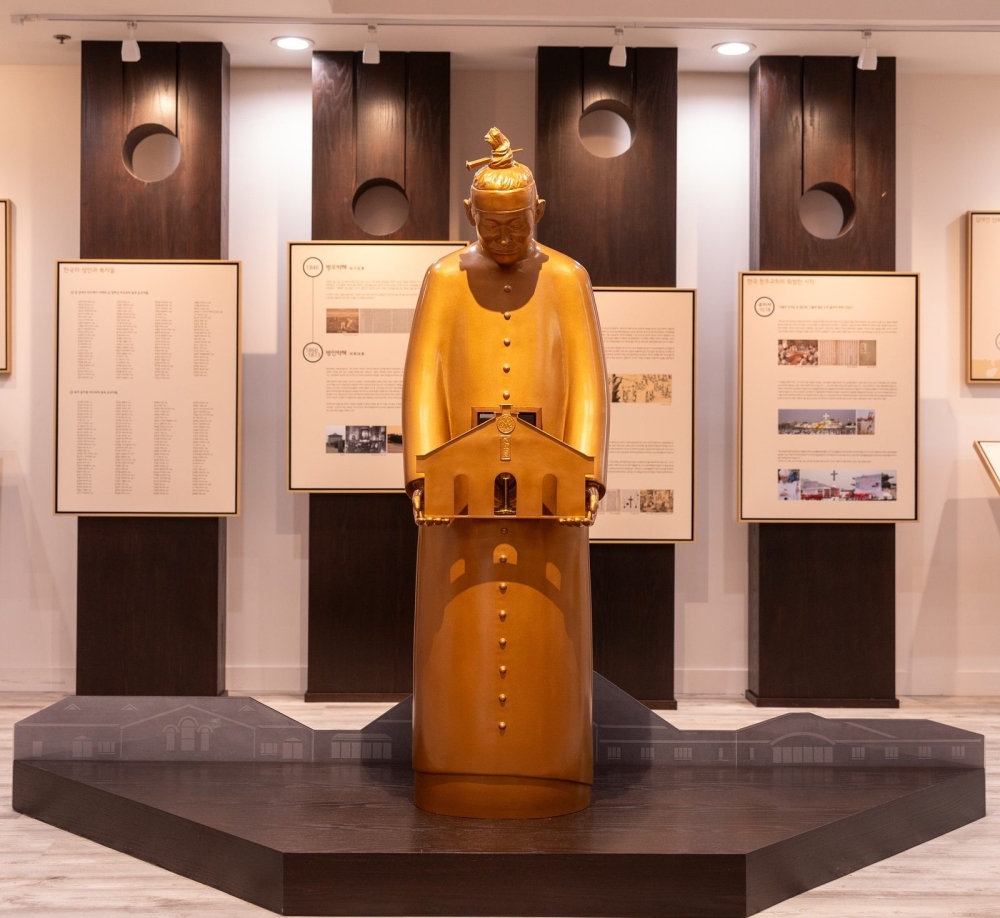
926	36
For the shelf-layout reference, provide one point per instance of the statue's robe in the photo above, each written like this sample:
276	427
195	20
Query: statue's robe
525	335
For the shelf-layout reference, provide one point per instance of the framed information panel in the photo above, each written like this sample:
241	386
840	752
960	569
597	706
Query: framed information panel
649	350
828	397
5	305
989	452
983	298
148	388
350	307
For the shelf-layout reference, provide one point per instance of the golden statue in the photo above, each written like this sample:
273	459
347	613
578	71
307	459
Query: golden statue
505	429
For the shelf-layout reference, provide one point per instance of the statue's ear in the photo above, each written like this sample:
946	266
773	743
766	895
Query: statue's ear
470	211
539	209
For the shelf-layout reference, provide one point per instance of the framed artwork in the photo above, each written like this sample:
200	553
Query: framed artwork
983	298
5	287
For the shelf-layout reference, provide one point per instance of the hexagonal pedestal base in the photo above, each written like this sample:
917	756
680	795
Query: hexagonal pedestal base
337	839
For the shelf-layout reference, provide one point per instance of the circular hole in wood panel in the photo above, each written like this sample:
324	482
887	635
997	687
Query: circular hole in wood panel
606	129
826	211
380	207
151	152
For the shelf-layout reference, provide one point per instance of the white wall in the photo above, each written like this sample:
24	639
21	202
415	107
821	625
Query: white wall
948	565
270	204
948	634
713	239
40	173
481	99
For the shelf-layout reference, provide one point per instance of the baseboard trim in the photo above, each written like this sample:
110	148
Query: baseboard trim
292	680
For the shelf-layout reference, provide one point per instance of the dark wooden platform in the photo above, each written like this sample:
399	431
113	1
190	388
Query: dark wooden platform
338	839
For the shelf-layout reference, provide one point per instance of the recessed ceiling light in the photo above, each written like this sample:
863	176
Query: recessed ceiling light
293	43
733	47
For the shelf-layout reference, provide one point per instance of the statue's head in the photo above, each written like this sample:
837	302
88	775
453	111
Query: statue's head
504	205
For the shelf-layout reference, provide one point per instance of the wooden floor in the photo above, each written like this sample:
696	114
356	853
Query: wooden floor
46	872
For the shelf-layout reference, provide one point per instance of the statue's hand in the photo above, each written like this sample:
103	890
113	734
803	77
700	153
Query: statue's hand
419	517
417	498
593	501
590	509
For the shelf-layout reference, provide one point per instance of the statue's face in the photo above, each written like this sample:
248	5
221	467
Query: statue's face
506	237
505	232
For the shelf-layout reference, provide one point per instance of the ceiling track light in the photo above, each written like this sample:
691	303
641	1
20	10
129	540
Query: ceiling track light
868	58
130	47
618	53
371	54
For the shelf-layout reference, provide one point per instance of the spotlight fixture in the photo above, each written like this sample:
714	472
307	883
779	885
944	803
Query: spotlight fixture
371	55
130	47
293	42
868	58
733	48
618	52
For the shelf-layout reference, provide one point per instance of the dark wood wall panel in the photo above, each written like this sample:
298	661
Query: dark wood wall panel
875	161
151	602
362	581
617	217
333	183
428	144
828	117
393	124
385	121
825	645
381	121
822	123
602	83
800	140
632	592
185	215
150	89
151	599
